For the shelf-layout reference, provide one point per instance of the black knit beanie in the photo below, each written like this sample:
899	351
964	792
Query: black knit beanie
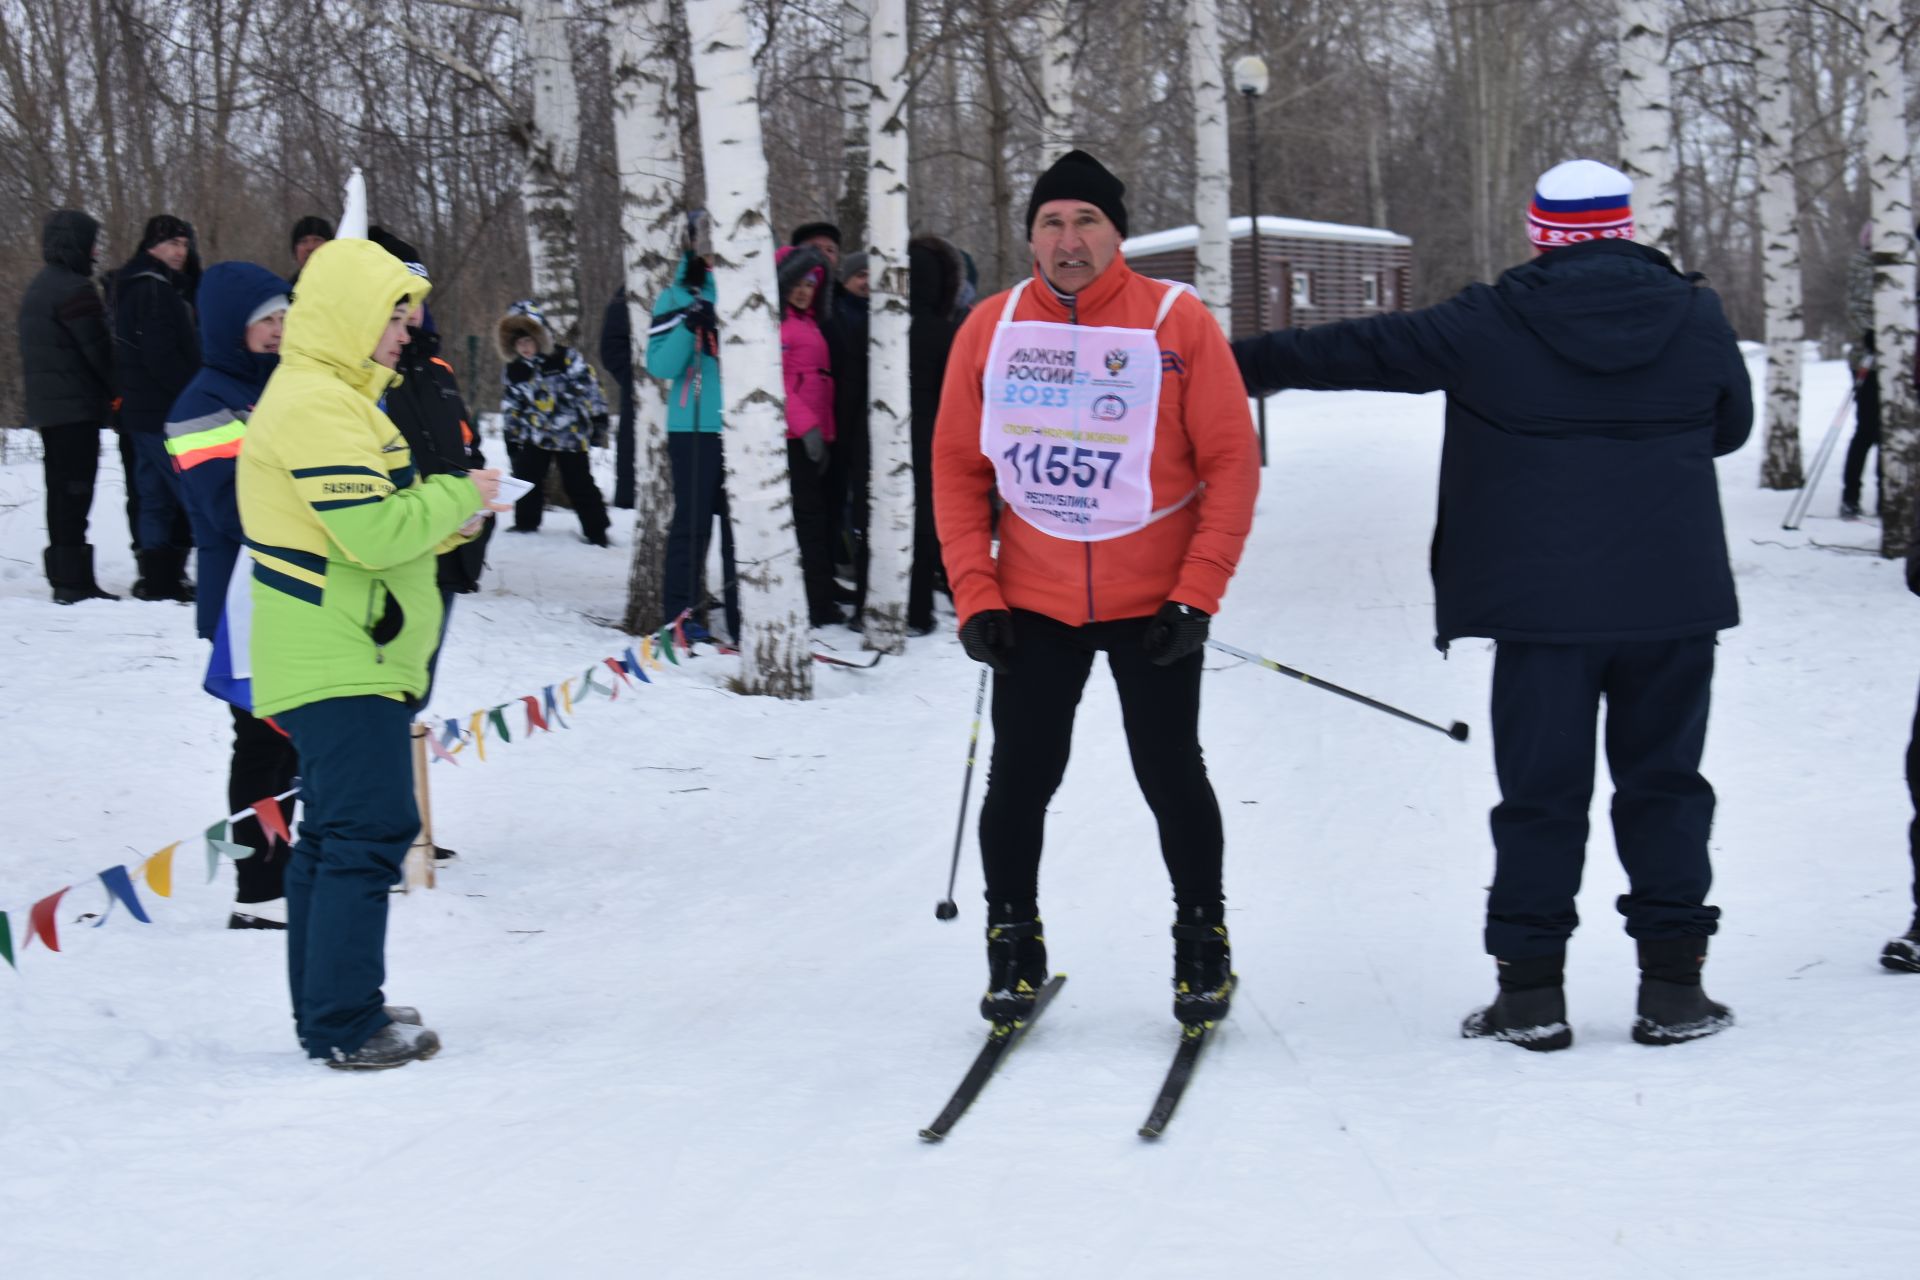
311	225
808	230
1078	176
393	244
164	226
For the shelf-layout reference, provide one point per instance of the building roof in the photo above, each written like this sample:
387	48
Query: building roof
1239	228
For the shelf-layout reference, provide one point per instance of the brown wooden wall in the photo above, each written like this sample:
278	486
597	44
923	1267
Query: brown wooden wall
1336	268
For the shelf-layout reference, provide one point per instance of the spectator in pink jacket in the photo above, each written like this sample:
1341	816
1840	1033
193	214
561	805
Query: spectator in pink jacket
809	387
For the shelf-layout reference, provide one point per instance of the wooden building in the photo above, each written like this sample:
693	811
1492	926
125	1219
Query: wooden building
1314	271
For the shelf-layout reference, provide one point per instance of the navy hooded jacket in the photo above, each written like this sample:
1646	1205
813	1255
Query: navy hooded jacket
1588	393
209	420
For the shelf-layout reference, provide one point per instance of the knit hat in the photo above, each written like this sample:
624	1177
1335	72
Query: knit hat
162	227
311	225
852	265
1580	200
1078	176
809	230
393	244
278	302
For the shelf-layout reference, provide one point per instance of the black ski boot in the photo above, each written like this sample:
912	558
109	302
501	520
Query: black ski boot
1016	970
1902	954
1672	1008
70	574
1203	974
1531	1009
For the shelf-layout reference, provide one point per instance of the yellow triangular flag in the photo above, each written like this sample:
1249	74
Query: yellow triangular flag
478	727
159	870
566	695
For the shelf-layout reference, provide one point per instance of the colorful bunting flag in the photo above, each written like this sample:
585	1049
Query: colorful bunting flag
159	871
120	886
450	740
218	847
619	669
534	719
40	919
439	752
587	685
637	667
566	695
499	722
6	941
478	729
680	633
553	712
272	820
666	643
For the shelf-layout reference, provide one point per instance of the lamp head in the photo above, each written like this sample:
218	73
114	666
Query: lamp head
1250	75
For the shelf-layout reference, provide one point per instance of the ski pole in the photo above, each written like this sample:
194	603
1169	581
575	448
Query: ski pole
1457	731
1797	510
947	909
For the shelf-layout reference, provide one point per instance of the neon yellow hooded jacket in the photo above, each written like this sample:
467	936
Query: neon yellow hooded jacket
342	532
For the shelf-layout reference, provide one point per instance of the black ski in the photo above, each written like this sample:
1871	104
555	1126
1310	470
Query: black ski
1001	1038
1192	1040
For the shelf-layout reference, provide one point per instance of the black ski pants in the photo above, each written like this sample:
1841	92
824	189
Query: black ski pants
926	537
71	457
264	764
1546	701
1866	435
812	529
1033	706
1913	790
530	463
699	497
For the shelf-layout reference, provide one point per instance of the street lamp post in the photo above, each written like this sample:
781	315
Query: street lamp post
1250	78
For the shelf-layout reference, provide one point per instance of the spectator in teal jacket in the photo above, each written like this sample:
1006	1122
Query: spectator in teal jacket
684	322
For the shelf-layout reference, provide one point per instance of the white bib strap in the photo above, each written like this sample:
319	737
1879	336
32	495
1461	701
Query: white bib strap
1174	289
1013	300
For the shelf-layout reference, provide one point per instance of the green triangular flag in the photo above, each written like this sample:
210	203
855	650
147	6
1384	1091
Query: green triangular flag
218	847
6	940
665	641
499	722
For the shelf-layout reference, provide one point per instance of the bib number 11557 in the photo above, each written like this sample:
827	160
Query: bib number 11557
1064	464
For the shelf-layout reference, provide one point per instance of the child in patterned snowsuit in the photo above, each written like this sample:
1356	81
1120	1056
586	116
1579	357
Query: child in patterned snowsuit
554	409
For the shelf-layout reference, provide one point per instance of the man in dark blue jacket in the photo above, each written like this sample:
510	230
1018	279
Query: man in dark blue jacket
1588	393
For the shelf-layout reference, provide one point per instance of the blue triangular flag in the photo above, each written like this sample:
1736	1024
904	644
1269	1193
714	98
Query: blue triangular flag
120	885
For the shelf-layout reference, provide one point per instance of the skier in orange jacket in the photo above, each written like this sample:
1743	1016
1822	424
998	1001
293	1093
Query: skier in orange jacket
1106	411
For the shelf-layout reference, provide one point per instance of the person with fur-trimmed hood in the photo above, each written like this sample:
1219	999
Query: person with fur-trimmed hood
808	370
554	409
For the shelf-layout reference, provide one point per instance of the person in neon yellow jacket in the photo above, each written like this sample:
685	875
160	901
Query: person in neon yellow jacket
346	614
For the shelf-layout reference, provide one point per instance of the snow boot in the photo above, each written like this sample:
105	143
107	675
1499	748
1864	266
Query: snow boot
160	576
1531	1009
1672	1007
402	1013
394	1045
1016	970
1203	976
70	574
271	914
1902	954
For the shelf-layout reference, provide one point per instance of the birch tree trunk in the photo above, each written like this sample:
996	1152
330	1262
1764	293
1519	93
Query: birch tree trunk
1779	246
854	98
1059	60
646	134
890	525
1890	182
546	185
776	654
1645	104
1213	177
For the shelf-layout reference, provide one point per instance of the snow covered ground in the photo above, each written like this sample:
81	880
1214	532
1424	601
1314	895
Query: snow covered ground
648	965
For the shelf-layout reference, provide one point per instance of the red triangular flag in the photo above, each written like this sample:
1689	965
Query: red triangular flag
534	719
272	821
40	920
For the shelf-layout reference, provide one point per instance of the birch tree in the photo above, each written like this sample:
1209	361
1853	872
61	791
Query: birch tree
1213	186
646	137
889	411
546	185
1890	179
1059	62
854	93
775	650
1645	104
1779	247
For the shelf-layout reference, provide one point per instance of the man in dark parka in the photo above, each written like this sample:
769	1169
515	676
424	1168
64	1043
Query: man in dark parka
1588	393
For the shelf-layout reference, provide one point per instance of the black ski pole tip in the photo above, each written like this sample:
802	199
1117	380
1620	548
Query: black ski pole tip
946	910
1459	731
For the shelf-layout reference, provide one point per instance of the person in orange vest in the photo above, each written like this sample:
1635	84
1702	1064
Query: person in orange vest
1105	410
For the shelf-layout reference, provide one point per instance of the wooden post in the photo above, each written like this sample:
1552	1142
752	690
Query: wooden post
418	869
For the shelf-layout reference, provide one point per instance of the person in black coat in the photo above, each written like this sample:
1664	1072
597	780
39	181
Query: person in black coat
936	272
1588	393
616	357
66	362
157	349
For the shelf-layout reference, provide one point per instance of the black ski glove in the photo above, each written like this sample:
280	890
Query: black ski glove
1177	631
700	317
988	637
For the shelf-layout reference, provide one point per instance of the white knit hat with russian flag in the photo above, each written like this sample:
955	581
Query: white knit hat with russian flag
1578	201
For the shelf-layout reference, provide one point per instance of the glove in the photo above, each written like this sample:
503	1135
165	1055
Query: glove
700	317
988	637
816	446
1177	631
597	434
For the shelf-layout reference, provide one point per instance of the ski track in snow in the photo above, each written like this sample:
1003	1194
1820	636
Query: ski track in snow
650	963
